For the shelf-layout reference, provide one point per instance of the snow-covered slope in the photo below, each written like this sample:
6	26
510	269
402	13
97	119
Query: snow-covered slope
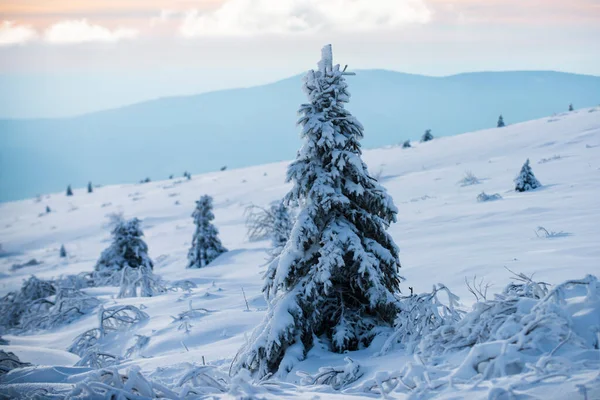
445	236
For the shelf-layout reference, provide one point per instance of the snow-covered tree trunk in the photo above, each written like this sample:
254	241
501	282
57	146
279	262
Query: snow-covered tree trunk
206	245
337	275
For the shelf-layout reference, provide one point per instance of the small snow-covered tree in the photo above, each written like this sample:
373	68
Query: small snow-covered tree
69	191
63	251
501	121
90	188
526	180
427	136
127	248
571	107
206	245
48	210
126	263
336	278
406	144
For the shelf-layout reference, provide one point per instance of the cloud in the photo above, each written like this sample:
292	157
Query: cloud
164	16
11	34
257	17
81	31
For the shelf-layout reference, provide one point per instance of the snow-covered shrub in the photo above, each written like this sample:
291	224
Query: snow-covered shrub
483	197
139	281
542	232
406	144
526	180
108	383
530	330
262	223
205	379
469	179
198	382
336	377
427	136
337	275
549	159
79	281
33	294
184	285
526	314
111	319
9	361
184	318
31	263
274	223
96	359
140	343
86	342
420	315
206	245
68	305
120	317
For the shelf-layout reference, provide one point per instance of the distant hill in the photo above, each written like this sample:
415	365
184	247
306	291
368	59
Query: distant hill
242	127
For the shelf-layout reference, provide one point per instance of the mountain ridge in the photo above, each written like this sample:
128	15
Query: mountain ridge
257	125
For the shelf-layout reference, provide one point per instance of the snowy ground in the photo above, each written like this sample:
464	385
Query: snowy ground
445	236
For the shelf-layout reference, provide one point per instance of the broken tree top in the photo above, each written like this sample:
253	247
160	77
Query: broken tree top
326	63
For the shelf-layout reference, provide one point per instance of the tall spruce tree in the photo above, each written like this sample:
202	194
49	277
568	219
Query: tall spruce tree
90	188
501	121
206	245
526	180
69	191
63	251
427	136
571	107
336	278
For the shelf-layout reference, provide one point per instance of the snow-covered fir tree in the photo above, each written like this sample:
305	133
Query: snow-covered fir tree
69	191
206	245
90	188
126	263
571	107
127	248
406	144
501	121
427	136
526	180
336	278
63	251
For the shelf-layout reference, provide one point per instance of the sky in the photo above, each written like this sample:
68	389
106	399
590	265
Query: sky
64	57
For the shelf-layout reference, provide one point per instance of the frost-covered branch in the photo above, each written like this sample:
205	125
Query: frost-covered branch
336	377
